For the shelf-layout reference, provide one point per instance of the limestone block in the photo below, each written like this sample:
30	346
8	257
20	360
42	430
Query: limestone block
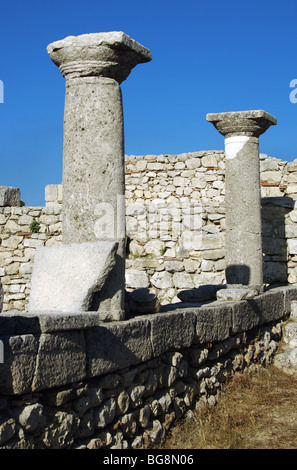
172	330
162	280
201	294
136	279
213	322
61	359
273	305
183	280
209	161
117	345
10	196
269	164
292	246
245	315
17	371
143	301
236	294
66	277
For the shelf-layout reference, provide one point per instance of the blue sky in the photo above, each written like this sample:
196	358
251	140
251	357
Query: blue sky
208	56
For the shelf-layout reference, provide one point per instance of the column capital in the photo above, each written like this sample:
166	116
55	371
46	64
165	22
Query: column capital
112	54
247	123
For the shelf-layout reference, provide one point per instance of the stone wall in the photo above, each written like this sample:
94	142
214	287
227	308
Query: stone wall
175	222
18	245
69	381
178	242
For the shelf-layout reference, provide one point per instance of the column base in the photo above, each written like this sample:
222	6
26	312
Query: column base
237	292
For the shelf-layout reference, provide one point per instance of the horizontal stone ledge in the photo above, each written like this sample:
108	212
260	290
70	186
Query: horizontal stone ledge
23	322
47	350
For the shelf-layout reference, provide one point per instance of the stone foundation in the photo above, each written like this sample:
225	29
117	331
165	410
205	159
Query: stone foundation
69	381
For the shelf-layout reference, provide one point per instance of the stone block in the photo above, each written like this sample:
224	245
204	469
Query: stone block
272	305
65	277
114	346
1	297
136	279
290	295
17	371
18	323
143	301
61	360
200	294
174	329
292	247
10	196
245	315
236	294
214	322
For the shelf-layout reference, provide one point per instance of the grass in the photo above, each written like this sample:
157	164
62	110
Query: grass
255	411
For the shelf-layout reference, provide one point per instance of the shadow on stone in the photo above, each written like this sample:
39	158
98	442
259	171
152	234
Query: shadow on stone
238	274
274	210
200	294
142	301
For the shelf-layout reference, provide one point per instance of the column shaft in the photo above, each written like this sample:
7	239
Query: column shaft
243	212
93	157
93	176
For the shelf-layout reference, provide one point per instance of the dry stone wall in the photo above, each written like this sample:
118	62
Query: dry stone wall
176	221
18	245
175	217
62	385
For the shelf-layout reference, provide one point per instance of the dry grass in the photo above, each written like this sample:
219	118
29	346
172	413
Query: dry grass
255	411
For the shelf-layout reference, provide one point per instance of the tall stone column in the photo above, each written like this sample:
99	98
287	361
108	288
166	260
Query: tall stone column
244	255
94	65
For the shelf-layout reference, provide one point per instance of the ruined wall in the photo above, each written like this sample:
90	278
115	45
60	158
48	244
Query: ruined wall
175	222
18	245
70	381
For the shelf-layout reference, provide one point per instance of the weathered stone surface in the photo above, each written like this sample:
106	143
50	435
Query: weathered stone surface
136	279
235	294
244	264
104	414
143	301
66	277
245	315
247	123
117	345
172	329
17	371
18	323
10	196
200	294
112	54
213	322
290	334
7	430
272	305
61	359
32	417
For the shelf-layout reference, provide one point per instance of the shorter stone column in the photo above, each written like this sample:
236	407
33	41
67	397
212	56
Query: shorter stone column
244	254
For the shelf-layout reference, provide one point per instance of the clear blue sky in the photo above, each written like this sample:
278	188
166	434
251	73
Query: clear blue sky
208	56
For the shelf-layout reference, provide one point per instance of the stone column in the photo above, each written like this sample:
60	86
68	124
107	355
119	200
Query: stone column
94	65
244	256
